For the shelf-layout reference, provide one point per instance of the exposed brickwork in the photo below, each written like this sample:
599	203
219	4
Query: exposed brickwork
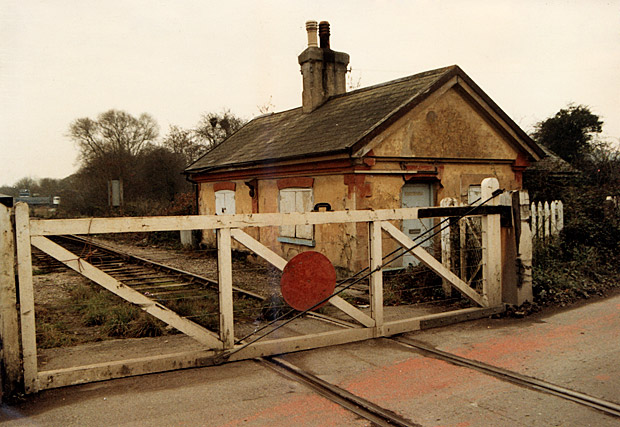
297	182
218	186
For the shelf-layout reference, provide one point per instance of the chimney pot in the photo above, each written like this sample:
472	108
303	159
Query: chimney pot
323	70
324	34
311	27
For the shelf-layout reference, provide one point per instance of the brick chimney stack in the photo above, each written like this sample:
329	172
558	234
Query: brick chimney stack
323	70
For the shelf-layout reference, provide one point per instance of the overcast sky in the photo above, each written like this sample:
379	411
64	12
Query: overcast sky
65	59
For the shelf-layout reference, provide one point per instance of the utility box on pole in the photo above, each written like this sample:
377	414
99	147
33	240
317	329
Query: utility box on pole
115	193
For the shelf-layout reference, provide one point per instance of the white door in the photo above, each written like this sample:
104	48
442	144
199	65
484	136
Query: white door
415	196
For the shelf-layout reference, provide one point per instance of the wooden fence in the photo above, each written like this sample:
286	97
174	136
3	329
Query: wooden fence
547	219
17	310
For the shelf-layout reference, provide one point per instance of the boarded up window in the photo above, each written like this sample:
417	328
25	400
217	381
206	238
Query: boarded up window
296	200
225	202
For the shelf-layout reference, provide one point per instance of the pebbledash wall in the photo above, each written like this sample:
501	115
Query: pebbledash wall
444	142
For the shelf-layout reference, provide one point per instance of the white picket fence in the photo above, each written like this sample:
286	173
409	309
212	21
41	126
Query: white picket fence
547	219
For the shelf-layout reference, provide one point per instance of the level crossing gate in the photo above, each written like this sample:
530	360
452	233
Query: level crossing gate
17	326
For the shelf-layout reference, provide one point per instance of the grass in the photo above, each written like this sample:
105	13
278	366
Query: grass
91	313
412	285
52	332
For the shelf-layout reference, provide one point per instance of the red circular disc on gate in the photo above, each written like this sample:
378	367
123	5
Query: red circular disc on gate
307	279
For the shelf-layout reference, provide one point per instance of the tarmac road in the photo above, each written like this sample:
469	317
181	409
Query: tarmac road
578	348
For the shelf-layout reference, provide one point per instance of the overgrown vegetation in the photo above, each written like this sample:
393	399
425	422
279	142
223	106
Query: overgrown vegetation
583	260
91	314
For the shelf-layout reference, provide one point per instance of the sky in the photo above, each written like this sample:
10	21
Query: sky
65	59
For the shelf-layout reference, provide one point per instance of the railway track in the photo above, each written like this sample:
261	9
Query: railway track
376	414
384	417
158	280
607	407
146	276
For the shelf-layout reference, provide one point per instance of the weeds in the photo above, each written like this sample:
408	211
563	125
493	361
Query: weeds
562	274
51	332
413	285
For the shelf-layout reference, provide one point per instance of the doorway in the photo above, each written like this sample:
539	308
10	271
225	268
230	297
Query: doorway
415	196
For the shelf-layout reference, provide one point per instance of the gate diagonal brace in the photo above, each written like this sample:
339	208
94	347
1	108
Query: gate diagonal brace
200	334
279	262
433	264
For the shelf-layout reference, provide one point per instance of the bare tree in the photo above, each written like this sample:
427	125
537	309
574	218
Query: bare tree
115	133
183	142
213	128
109	149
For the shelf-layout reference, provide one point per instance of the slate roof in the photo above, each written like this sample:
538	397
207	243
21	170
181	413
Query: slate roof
552	163
338	126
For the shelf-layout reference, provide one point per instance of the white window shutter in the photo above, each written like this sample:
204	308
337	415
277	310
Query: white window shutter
287	205
230	203
225	202
303	203
473	194
219	203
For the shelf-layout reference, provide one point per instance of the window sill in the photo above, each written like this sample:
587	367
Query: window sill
297	241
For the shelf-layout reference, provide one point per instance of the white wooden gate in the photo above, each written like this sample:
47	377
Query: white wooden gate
370	324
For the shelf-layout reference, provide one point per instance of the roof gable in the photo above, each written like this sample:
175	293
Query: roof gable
444	126
343	124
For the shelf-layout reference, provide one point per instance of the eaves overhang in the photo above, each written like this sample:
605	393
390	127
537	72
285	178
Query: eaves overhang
264	162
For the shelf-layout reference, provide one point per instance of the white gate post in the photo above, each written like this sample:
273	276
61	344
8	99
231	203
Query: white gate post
376	278
491	246
560	207
9	326
26	297
524	251
224	269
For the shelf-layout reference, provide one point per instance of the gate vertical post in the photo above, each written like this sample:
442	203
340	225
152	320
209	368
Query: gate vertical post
462	247
10	362
446	245
376	278
492	247
224	270
26	297
524	250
